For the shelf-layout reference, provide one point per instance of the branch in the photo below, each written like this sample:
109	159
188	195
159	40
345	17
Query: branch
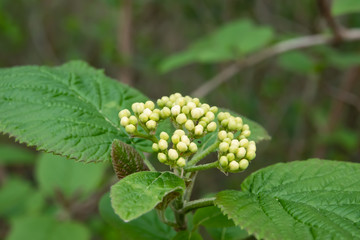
200	203
325	9
277	49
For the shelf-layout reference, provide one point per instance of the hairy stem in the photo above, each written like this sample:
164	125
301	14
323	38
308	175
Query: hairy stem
150	137
149	165
197	158
200	203
202	167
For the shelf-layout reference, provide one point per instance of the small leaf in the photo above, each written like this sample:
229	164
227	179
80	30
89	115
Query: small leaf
340	7
71	110
146	227
12	155
140	192
56	173
298	200
45	228
125	159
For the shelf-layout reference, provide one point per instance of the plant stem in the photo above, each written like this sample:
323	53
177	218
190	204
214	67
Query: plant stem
200	203
146	136
148	164
203	154
161	214
202	167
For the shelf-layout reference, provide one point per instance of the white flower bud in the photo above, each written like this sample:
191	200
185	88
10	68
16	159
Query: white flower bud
245	127
202	123
124	113
222	135
140	108
163	145
232	125
205	107
223	161
175	110
205	119
210	116
214	109
197	113
246	133
162	157
230	157
181	146
250	155
230	135
243	164
124	121
223	147
185	139
160	103
179	132
165	99
134	107
175	138
221	116
185	109
164	135
177	95
181	162
181	118
143	118
196	101
241	152
147	112
193	147
211	127
173	154
235	143
233	149
165	112
150	105
155	116
151	124
133	120
180	101
244	142
155	147
191	105
199	130
224	122
130	128
234	166
227	140
189	125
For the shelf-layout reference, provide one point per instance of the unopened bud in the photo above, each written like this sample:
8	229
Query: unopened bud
193	147
173	154
181	146
162	157
196	113
243	164
189	125
175	138
155	116
181	118
185	139
181	162
175	110
234	166
199	130
151	124
124	121
124	113
130	128
230	157
163	145
150	105
241	152
164	135
185	109
165	112
179	132
155	147
211	127
143	117
244	142
222	135
223	161
223	147
133	120
214	109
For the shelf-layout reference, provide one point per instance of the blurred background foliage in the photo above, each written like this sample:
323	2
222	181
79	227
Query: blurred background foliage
307	98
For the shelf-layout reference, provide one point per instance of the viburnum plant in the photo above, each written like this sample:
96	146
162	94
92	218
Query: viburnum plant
76	111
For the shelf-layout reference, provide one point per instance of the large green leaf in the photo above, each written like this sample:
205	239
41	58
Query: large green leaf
45	228
340	7
313	199
231	41
140	192
56	173
146	227
71	110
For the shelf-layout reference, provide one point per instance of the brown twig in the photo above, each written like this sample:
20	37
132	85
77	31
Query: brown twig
336	28
279	48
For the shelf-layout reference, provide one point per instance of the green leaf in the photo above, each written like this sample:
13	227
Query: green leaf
56	173
313	199
297	62
45	228
146	227
12	155
187	235
71	110
212	217
125	159
340	7
140	192
228	233
231	41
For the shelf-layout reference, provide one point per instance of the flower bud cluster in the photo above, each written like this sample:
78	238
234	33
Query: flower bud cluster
189	114
181	148
235	152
